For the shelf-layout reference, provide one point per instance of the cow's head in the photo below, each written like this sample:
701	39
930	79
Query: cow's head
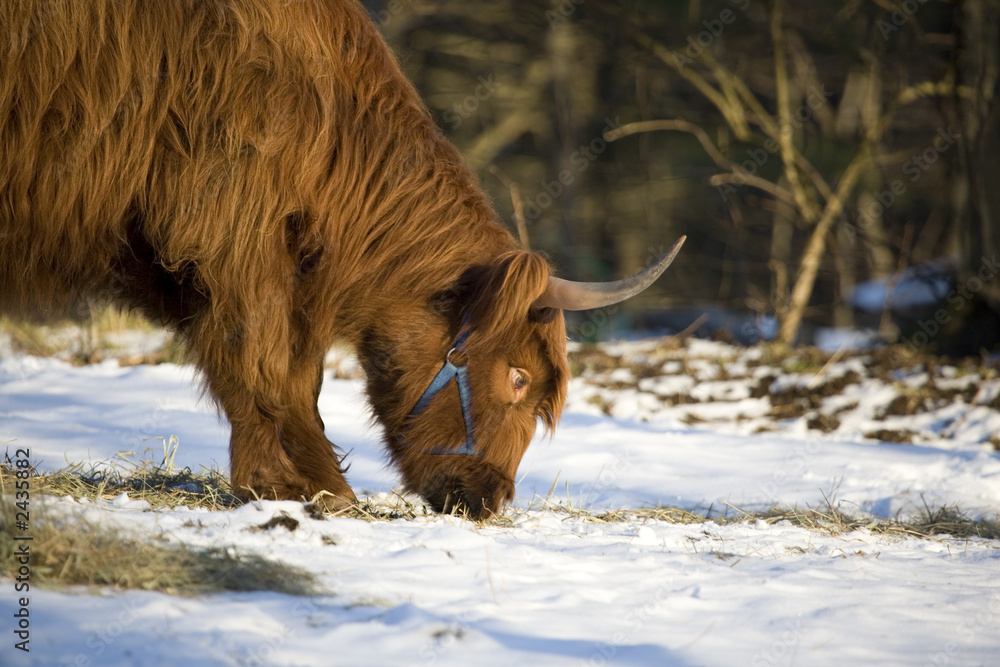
461	383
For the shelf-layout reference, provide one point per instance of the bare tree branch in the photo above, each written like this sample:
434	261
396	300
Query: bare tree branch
806	277
675	125
753	181
515	197
807	208
710	148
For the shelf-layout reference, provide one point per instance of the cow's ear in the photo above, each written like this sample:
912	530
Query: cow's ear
542	315
452	303
507	291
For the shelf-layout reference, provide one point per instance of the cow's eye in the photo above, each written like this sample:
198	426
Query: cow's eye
519	382
518	379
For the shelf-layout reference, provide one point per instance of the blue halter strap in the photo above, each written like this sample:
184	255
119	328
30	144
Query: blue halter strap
444	376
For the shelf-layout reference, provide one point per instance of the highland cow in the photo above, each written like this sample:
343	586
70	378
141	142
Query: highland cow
261	178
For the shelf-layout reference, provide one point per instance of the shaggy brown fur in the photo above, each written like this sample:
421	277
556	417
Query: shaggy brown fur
261	177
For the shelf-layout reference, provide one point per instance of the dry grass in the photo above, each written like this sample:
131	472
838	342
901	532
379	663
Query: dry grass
159	484
66	550
69	551
931	522
831	519
163	487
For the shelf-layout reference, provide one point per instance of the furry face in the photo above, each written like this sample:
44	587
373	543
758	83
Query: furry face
515	358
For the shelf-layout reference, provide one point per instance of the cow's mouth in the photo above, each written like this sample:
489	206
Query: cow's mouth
478	491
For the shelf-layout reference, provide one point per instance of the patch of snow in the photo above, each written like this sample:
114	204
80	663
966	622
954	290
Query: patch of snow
916	287
550	586
833	339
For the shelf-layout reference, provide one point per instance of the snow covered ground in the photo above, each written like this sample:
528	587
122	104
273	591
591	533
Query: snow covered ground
708	429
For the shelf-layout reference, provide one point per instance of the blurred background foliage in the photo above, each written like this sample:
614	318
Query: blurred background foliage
805	147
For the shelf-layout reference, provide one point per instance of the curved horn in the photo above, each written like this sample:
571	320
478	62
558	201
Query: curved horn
570	295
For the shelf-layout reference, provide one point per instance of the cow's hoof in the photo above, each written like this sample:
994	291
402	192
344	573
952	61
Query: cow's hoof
330	503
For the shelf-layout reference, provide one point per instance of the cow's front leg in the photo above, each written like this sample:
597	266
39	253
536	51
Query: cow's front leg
301	432
265	451
259	465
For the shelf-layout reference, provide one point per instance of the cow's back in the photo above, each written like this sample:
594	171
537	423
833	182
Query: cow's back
154	151
182	125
